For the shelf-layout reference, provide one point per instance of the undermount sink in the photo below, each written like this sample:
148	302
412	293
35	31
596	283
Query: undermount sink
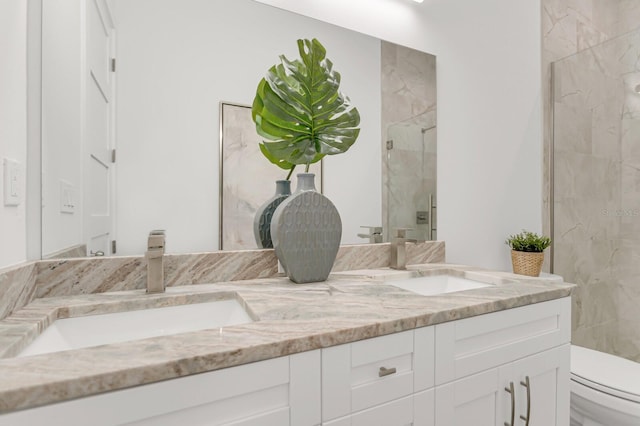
437	284
95	330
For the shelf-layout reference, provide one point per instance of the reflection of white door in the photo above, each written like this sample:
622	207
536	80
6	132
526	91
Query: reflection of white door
98	128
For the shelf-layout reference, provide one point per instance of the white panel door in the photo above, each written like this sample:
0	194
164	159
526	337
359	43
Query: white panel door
98	127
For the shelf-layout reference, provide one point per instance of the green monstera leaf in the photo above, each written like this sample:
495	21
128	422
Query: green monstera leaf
300	112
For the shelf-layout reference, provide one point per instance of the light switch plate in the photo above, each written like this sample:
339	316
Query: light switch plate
68	197
13	182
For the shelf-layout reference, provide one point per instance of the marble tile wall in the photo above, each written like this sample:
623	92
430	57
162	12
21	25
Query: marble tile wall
408	106
65	277
597	183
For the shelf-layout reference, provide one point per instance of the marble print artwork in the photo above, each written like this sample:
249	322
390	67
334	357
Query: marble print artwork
248	178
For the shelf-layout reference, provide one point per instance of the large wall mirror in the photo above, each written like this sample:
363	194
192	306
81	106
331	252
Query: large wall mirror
133	144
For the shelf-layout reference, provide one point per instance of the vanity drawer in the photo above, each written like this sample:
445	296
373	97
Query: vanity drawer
275	392
363	374
478	343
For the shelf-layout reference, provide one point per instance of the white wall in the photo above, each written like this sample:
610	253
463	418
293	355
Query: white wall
177	61
61	122
13	123
489	109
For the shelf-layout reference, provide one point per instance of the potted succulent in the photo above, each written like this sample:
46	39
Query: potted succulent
527	252
302	117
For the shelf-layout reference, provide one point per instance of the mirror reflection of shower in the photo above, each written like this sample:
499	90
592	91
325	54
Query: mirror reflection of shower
408	123
411	170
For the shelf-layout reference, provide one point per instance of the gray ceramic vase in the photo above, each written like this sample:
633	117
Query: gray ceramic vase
262	219
306	231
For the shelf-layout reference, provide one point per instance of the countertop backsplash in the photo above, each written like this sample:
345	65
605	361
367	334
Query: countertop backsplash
17	287
22	284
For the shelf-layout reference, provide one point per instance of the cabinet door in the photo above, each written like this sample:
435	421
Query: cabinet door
342	421
276	418
542	388
395	413
473	400
424	413
414	410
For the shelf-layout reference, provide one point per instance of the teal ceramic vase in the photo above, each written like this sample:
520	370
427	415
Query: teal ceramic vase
264	214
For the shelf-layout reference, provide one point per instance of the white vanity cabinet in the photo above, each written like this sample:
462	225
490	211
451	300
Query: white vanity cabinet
275	392
504	368
386	381
482	371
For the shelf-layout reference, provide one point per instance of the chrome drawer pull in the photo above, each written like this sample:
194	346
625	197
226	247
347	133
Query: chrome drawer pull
512	391
527	385
386	371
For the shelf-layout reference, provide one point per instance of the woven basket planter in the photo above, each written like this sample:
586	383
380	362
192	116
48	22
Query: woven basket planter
527	263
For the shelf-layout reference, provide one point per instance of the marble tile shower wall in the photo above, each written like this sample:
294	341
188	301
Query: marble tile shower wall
408	99
597	191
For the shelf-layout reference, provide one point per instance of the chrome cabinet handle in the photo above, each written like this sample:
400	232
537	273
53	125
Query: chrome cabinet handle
527	385
386	371
512	391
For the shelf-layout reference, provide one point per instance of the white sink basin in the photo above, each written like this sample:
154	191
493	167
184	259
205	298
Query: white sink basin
437	284
94	330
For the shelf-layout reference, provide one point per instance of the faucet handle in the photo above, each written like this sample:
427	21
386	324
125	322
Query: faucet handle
401	232
374	235
156	239
373	229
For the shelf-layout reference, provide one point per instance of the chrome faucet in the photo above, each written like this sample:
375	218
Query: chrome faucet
398	258
155	261
374	235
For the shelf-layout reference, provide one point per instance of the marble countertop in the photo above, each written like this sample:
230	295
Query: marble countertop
289	318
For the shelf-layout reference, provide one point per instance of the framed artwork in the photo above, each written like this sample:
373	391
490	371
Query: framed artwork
247	178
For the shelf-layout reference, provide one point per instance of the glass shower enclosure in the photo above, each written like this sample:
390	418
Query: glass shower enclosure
411	183
596	191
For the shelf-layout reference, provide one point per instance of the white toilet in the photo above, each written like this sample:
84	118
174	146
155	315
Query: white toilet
605	389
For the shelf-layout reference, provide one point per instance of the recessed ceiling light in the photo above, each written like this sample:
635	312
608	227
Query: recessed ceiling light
418	1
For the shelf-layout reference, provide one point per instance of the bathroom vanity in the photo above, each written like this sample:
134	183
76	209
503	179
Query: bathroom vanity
354	350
